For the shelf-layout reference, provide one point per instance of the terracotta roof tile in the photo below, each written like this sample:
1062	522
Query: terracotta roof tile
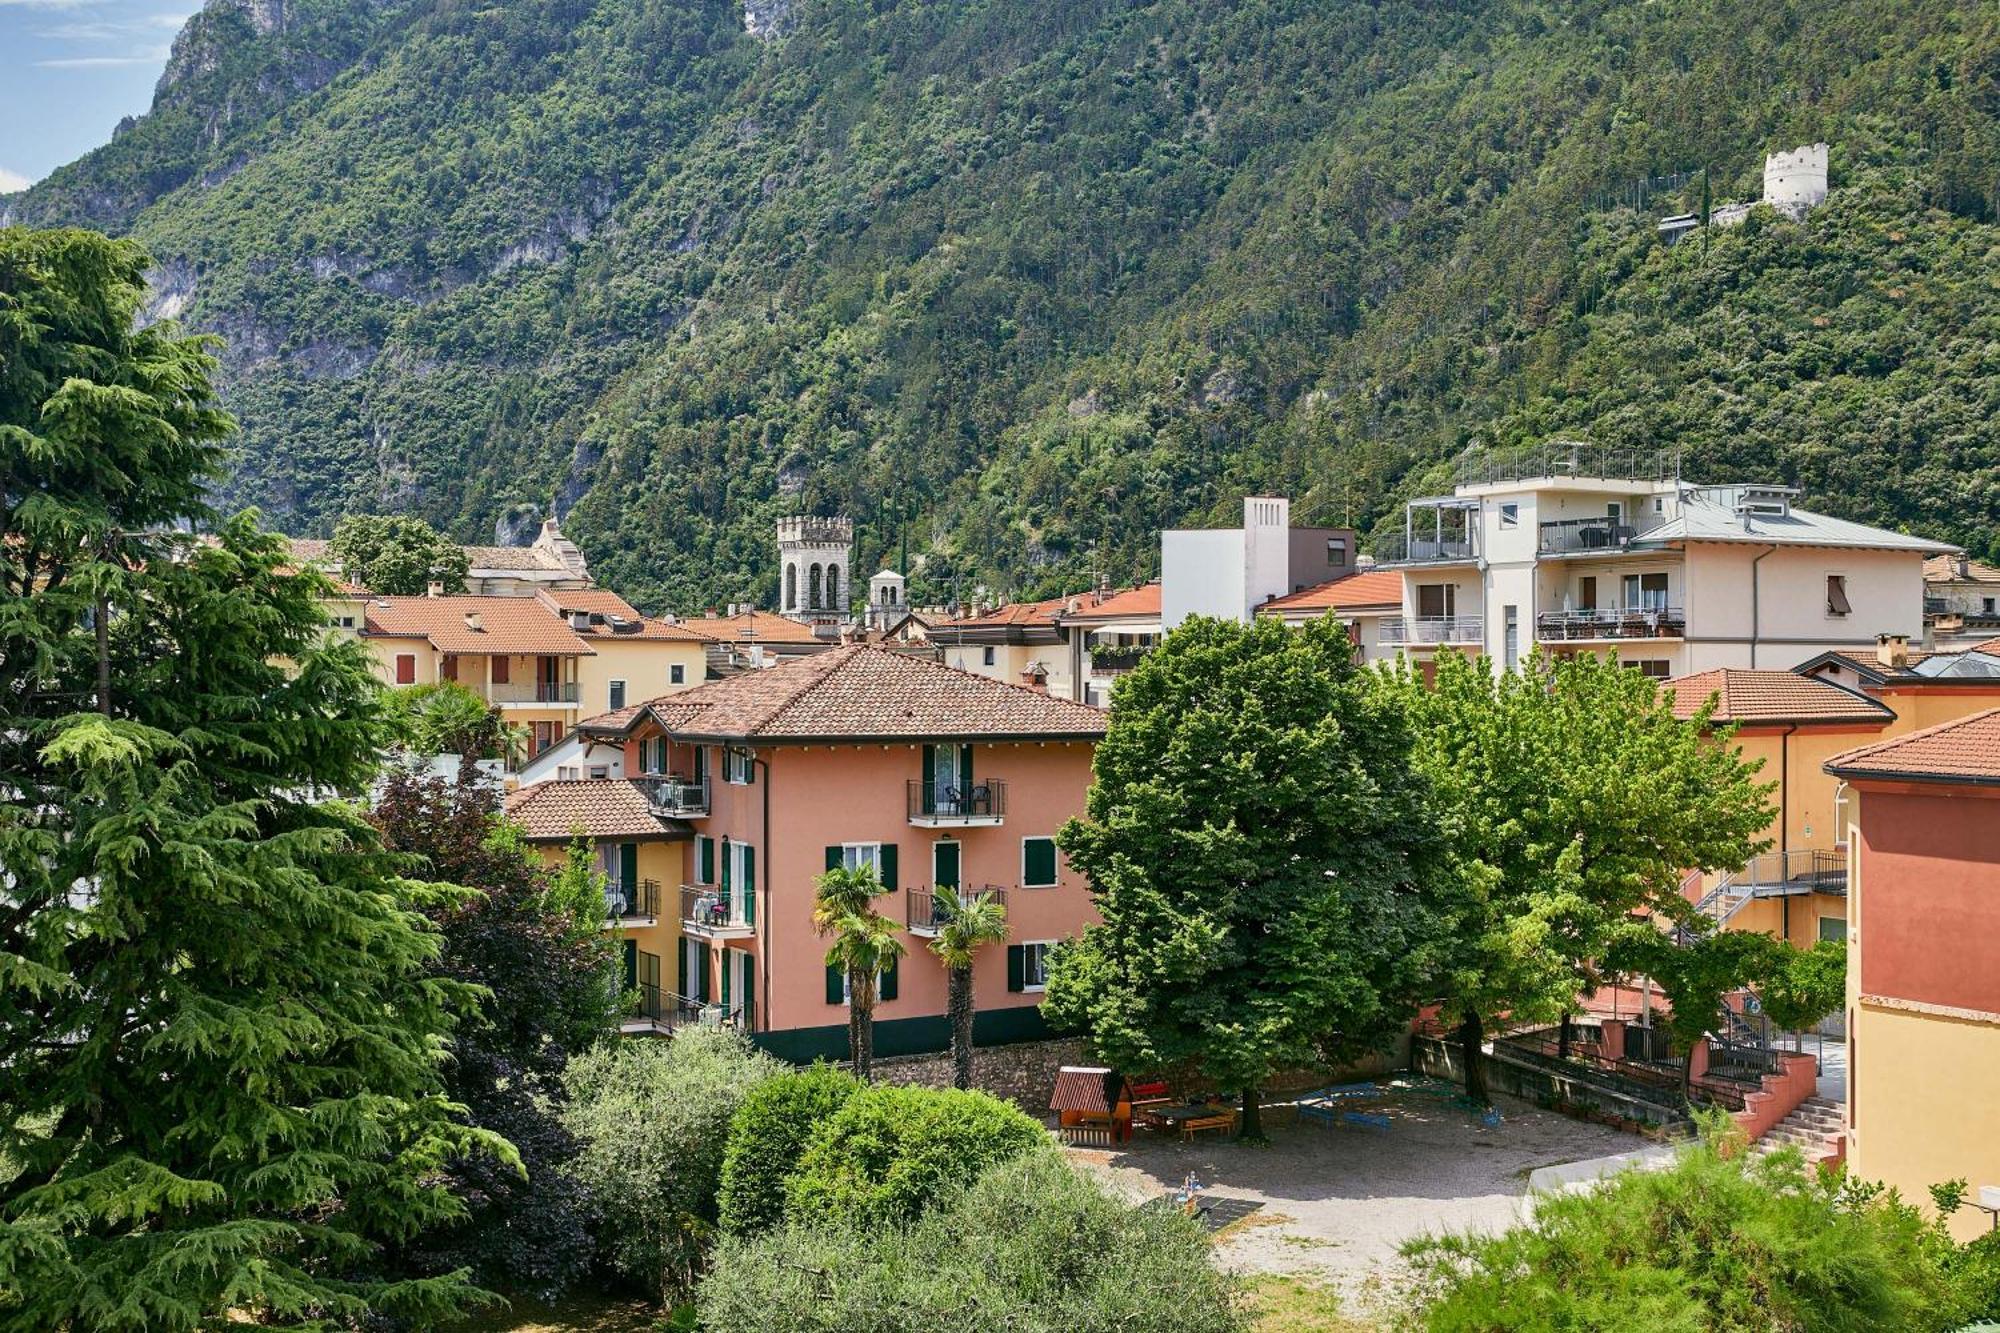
863	691
476	625
1771	696
1140	603
1963	751
751	627
1374	587
1043	612
602	807
1944	569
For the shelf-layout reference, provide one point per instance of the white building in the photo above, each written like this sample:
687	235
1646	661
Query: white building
1230	572
1575	547
813	554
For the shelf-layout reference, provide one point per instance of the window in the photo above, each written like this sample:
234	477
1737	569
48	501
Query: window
1038	863
677	674
738	765
1836	595
1986	606
1833	928
1615	512
501	672
986	655
1336	550
347	622
1510	515
1654	668
545	736
1436	601
1028	965
1659	504
617	694
406	668
862	856
450	669
1586	593
599	772
567	772
1646	592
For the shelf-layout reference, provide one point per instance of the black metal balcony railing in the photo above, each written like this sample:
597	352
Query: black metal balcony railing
930	911
555	691
981	801
1395	548
664	1009
1658	622
1115	658
1432	629
710	909
676	797
626	902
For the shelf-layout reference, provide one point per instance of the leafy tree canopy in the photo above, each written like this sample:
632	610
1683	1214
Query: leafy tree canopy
396	555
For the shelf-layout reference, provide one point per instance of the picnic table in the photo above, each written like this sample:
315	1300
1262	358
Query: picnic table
1191	1118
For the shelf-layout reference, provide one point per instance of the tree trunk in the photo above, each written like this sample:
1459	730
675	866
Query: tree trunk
1251	1128
959	980
857	1059
1562	1038
1471	1054
103	631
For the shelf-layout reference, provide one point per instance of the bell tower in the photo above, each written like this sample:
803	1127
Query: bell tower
813	555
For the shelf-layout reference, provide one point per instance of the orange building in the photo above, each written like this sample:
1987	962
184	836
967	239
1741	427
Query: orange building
858	756
1923	974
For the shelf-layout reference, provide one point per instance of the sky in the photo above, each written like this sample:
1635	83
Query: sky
70	70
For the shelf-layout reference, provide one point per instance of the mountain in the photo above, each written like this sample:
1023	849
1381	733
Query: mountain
1023	281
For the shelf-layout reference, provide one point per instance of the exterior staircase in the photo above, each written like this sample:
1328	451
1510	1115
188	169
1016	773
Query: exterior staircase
1814	1128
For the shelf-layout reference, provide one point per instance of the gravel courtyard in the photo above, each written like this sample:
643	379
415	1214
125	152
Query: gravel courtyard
1336	1202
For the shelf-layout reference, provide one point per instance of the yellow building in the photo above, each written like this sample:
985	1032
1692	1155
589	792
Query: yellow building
639	854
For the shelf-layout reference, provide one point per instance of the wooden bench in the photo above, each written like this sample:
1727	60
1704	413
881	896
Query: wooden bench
1092	1136
1222	1120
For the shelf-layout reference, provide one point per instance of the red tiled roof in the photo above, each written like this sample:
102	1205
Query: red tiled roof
1964	751
612	616
1141	603
477	625
1043	612
601	807
1374	587
1989	648
1944	569
864	691
751	627
1771	696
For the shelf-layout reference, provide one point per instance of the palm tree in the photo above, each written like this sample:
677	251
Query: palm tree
864	944
965	925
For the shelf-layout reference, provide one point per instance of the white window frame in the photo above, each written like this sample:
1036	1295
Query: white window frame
987	656
1043	949
873	860
599	772
739	765
677	674
616	692
1510	514
1056	861
1819	927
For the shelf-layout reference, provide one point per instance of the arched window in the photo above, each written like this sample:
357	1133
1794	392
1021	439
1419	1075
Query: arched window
833	587
812	590
791	587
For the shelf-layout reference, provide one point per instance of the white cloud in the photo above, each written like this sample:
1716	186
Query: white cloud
153	57
11	181
45	4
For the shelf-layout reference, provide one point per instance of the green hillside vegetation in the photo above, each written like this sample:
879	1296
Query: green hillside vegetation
1032	279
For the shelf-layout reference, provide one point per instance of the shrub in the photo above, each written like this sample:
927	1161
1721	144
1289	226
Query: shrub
1031	1247
891	1152
1713	1244
653	1117
767	1135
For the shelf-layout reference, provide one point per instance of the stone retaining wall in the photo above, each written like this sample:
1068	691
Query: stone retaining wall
1023	1073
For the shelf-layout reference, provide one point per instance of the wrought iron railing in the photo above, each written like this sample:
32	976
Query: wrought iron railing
984	798
1433	629
677	797
710	907
930	911
1572	535
1654	622
626	902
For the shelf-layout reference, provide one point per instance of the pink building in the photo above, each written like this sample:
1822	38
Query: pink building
862	756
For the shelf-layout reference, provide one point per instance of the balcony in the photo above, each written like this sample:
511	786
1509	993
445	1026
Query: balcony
1611	624
1560	460
659	1010
710	914
1115	659
1403	549
1418	631
930	911
1586	536
676	798
944	805
632	904
532	693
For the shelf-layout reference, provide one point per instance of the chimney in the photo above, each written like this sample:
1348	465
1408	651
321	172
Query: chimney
1893	651
435	588
1036	677
473	622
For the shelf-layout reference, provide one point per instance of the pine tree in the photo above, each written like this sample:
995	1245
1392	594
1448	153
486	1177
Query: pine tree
219	1035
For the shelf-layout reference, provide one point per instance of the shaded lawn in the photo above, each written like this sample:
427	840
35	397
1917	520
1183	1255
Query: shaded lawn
573	1314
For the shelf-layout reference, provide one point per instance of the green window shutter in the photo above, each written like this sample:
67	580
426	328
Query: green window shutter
631	963
705	854
700	761
705	980
1017	967
725	865
1038	861
929	794
750	885
749	993
628	868
681	977
835	858
965	769
944	864
887	988
728	967
887	866
836	991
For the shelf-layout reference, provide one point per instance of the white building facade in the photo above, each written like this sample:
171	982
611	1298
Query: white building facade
1230	572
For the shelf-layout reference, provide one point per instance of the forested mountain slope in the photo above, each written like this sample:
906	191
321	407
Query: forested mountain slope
1035	277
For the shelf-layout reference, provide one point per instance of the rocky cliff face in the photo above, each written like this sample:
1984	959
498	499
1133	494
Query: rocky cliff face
205	42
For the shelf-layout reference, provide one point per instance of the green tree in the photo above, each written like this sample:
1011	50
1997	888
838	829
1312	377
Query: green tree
767	1136
1697	967
1719	1241
444	717
968	924
1258	848
396	555
220	1031
1570	797
865	944
1805	985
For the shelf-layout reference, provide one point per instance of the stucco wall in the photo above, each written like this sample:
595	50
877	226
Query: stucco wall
1922	1091
1932	871
645	665
1885	589
1202	572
